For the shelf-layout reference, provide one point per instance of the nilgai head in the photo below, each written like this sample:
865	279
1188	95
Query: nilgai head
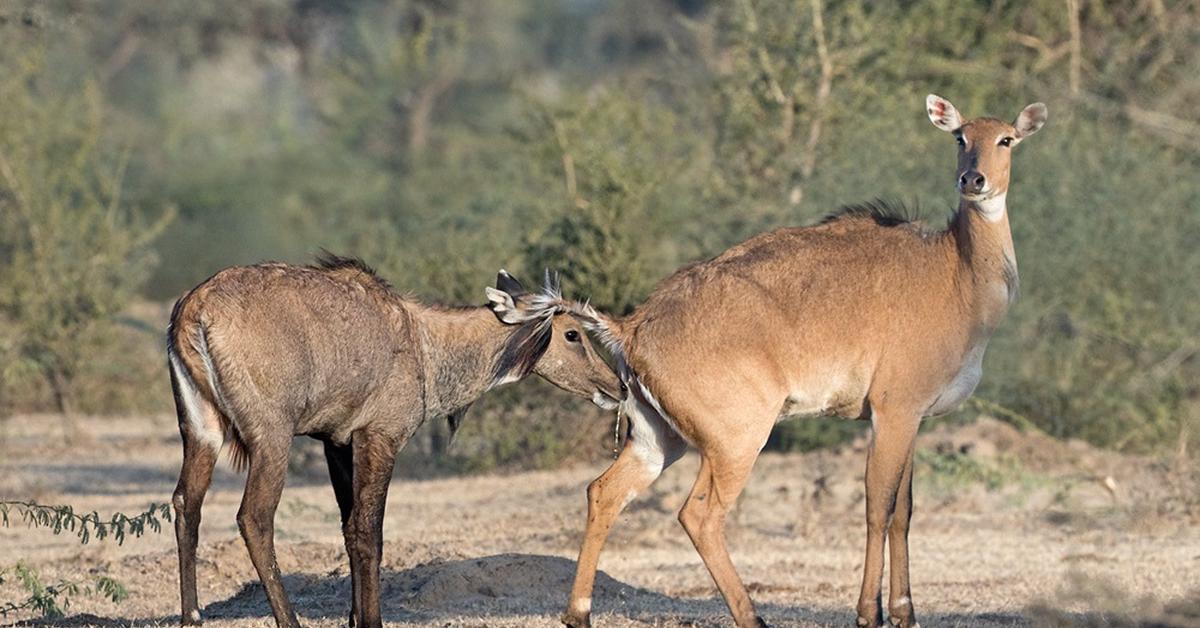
984	145
551	341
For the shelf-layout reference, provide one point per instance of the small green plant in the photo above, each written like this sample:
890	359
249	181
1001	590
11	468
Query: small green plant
957	468
51	600
950	470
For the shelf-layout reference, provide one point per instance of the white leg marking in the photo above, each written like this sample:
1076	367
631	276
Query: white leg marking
192	406
195	615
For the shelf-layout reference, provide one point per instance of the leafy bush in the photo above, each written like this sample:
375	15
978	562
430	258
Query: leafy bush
52	600
614	142
74	256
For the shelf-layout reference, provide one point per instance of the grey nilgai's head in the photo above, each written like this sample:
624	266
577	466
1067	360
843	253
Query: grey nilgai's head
550	341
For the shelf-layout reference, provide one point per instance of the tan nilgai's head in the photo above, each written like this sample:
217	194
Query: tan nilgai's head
984	146
558	349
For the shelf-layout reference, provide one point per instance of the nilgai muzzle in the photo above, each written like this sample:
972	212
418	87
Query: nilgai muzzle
261	353
865	315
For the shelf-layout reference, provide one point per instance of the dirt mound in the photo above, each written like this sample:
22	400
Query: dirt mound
988	438
505	583
1054	474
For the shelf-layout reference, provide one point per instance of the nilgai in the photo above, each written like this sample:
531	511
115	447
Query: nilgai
866	315
261	353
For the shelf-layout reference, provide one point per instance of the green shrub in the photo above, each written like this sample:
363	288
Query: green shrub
73	255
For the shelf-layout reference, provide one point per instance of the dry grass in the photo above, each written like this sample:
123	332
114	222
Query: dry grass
1010	530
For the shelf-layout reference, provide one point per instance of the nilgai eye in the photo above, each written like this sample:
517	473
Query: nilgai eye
1006	141
572	335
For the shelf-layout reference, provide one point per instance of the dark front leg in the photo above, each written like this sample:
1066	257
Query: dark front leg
340	459
374	458
256	519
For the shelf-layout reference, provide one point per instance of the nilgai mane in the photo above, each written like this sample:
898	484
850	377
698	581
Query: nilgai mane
260	353
865	315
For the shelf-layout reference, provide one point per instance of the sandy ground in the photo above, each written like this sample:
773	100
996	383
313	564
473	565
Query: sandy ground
1035	539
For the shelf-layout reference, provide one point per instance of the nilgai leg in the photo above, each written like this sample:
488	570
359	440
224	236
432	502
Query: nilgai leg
194	478
650	447
900	606
721	479
888	462
374	458
256	518
199	426
340	459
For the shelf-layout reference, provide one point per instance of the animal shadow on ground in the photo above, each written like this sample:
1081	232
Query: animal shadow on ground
511	586
500	586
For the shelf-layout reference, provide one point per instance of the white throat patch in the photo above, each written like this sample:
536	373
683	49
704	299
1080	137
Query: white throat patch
993	208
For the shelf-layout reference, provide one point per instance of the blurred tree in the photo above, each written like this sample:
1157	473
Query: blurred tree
379	89
616	140
72	255
603	230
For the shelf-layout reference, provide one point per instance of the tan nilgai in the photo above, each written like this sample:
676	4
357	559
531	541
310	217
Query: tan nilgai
865	315
261	353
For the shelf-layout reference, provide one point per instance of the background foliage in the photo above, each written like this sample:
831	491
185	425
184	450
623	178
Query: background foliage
145	145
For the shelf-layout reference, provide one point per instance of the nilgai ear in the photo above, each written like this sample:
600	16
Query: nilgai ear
509	284
942	114
1031	119
503	305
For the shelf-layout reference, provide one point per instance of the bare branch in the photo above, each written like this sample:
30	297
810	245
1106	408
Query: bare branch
1029	41
422	112
1177	132
1047	54
568	163
130	42
764	59
1076	46
824	87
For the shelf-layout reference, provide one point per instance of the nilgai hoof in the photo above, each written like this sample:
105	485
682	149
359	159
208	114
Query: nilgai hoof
576	621
761	623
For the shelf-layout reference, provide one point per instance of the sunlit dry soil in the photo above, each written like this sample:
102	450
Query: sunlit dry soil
1035	538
